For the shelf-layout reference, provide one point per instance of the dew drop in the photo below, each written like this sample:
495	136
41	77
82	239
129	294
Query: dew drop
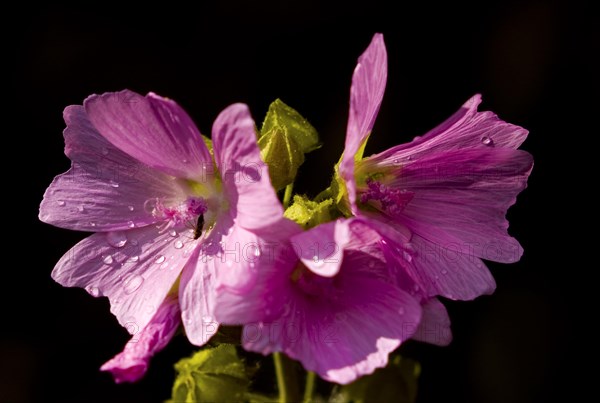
173	233
134	242
229	263
81	208
113	183
132	283
444	271
130	208
257	252
131	224
407	256
207	319
93	291
160	259
487	141
61	203
133	259
116	239
107	259
178	245
184	161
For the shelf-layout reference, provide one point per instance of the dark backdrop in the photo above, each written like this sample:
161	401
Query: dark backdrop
528	59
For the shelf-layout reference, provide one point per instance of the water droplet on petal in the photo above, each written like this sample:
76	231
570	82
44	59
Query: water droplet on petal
130	208
173	233
93	291
487	141
178	244
107	259
113	183
92	223
81	208
229	263
131	224
257	252
132	283
61	203
133	259
134	242
207	319
184	161
407	256
116	239
444	271
160	259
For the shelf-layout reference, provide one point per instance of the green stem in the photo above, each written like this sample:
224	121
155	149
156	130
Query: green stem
309	388
325	194
286	379
287	196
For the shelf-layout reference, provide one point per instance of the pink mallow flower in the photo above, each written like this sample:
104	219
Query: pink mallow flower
144	180
439	201
343	324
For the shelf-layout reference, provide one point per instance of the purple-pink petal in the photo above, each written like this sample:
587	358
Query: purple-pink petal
467	128
434	327
321	249
131	364
474	188
366	94
153	130
197	289
105	189
246	183
135	269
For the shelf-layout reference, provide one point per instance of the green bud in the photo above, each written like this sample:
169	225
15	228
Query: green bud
308	213
285	137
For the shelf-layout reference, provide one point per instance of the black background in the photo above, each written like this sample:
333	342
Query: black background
530	60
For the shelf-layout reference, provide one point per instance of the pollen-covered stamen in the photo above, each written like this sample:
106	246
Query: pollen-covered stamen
187	211
388	200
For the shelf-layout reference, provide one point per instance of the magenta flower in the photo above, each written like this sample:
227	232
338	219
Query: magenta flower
143	179
341	326
440	200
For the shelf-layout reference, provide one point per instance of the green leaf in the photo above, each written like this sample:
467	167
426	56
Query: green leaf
308	213
284	139
211	375
397	382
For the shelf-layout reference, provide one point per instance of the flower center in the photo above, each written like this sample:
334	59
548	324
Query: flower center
309	282
187	211
384	198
